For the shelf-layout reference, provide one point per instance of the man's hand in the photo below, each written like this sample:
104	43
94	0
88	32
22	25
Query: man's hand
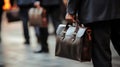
70	18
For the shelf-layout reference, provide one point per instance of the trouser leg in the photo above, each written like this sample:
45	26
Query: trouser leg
101	54
24	18
44	37
55	16
115	35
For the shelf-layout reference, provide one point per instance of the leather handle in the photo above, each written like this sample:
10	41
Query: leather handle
66	27
78	25
65	30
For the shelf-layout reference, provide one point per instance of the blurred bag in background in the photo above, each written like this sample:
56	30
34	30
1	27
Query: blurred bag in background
13	13
37	17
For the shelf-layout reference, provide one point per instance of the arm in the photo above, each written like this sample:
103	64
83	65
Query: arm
72	8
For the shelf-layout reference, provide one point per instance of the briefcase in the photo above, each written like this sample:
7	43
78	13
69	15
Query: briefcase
73	42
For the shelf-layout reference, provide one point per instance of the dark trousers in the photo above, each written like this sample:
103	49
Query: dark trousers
54	13
101	53
24	18
43	38
115	35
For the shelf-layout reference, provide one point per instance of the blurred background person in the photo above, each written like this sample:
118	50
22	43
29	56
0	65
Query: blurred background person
53	10
1	11
42	31
24	6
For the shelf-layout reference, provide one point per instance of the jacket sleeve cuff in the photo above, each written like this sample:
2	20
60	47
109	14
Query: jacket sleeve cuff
70	11
71	7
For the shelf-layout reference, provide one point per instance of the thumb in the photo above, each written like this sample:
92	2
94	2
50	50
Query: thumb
69	17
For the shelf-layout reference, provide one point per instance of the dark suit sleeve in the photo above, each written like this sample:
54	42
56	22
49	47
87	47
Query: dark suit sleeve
72	6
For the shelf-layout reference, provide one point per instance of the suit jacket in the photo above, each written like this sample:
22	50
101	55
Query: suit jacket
25	2
94	10
49	2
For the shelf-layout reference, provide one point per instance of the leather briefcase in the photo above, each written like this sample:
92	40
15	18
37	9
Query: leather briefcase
73	42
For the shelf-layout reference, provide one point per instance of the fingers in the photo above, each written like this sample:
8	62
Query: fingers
70	18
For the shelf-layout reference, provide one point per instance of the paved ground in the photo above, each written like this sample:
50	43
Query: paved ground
16	54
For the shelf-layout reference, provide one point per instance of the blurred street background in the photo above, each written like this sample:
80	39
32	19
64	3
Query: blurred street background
14	53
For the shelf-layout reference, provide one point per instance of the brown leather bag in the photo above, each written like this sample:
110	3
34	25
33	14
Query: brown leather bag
37	17
73	42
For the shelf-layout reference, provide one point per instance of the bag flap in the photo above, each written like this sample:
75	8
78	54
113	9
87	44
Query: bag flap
70	31
60	28
81	31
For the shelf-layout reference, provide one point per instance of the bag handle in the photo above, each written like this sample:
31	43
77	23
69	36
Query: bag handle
79	25
76	23
65	30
